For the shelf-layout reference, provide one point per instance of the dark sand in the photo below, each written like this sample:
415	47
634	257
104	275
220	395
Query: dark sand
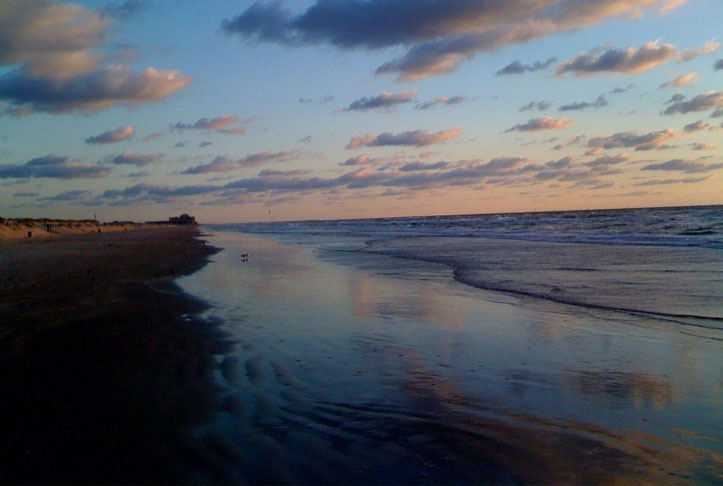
103	370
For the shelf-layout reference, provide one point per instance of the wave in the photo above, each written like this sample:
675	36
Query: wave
680	286
690	226
693	320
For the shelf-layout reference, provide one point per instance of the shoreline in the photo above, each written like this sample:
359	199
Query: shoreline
105	370
424	380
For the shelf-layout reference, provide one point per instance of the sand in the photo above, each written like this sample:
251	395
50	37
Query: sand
104	370
49	229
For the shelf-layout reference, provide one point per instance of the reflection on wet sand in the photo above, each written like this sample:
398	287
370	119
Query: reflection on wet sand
482	442
371	300
440	436
340	374
623	389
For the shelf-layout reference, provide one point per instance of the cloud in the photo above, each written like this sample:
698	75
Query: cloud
219	164
225	164
542	123
152	192
536	105
684	165
648	141
385	100
439	35
153	135
416	166
276	172
443	100
16	111
618	61
133	158
25	194
708	101
577	139
466	173
45	34
318	101
232	131
260	158
100	89
695	126
562	163
608	160
690	53
516	67
362	159
417	138
718	65
212	124
598	103
125	10
589	178
683	80
504	163
54	65
220	124
69	196
621	89
702	146
415	176
444	56
112	136
54	167
689	180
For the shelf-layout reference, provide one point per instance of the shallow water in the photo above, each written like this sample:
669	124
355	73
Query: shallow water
361	367
682	286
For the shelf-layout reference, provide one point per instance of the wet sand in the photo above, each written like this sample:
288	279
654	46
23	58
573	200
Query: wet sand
104	370
358	368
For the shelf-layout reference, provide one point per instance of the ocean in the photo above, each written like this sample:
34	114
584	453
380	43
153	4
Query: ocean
582	346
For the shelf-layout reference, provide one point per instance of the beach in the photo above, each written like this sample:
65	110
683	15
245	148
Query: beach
104	369
173	354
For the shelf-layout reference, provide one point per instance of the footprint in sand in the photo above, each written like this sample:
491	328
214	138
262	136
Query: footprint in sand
233	404
230	370
282	376
253	370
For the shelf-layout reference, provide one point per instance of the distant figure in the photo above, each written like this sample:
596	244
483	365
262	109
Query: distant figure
245	257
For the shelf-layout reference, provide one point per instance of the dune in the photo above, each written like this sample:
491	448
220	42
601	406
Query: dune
28	228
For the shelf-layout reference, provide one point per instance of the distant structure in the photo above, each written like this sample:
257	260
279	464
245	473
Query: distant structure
182	219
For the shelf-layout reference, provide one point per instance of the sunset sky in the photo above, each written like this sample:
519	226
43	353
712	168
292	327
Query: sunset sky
280	110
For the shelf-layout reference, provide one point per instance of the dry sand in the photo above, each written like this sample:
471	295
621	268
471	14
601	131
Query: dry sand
104	372
21	229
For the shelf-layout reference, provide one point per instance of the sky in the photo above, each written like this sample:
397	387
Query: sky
237	111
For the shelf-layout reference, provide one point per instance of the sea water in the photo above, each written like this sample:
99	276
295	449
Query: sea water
484	348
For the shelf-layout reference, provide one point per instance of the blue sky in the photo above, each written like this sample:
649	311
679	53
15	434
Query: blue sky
237	111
